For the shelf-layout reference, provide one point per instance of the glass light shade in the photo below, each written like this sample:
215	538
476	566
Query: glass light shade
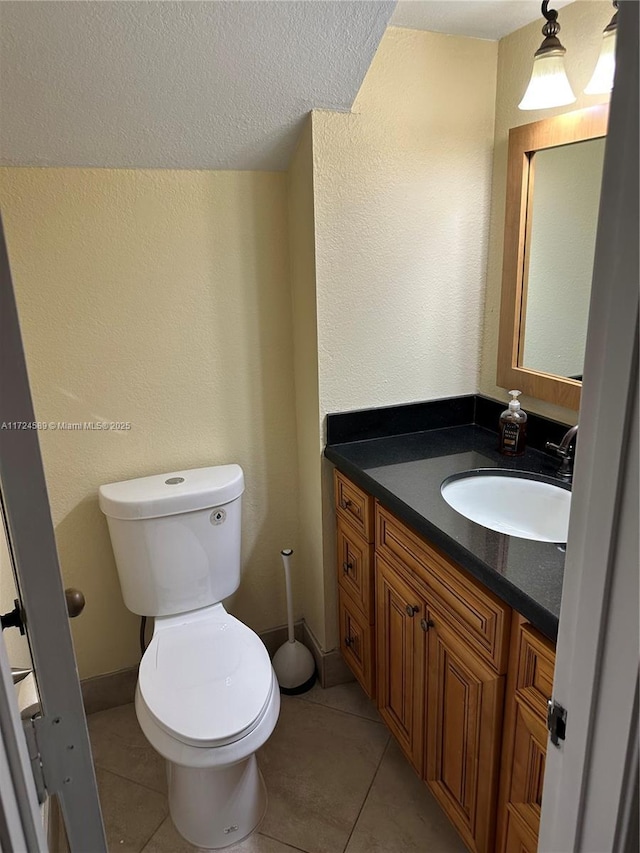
602	79
549	85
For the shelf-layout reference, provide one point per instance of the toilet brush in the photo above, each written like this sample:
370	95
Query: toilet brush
293	663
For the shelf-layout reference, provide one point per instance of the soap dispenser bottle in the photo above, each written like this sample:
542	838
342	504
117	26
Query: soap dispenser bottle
513	428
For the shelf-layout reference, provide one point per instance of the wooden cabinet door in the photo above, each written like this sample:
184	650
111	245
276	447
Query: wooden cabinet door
518	838
400	660
356	643
524	746
463	730
527	769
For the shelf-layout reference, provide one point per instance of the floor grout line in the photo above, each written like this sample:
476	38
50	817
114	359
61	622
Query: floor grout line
280	841
150	838
133	781
366	797
339	710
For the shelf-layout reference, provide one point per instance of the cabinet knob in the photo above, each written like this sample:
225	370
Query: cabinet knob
425	624
348	641
346	567
345	503
412	609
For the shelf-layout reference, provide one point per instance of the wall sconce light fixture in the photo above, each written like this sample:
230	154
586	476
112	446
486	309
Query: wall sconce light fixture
549	85
602	78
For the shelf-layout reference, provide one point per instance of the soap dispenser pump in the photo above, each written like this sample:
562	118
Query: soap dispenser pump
513	427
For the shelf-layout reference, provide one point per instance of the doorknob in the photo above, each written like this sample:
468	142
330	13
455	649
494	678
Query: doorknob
75	602
75	605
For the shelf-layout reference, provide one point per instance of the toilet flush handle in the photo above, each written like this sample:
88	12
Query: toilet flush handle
75	601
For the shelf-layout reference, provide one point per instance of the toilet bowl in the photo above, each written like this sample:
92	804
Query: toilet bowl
207	697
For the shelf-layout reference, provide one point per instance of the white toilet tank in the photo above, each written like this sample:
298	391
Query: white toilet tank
176	538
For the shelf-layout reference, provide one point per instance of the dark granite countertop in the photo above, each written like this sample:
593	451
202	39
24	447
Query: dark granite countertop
405	473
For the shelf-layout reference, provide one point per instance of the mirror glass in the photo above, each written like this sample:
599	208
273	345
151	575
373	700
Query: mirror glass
562	214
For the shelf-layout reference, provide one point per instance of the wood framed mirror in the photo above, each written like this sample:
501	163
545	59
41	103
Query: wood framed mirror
554	175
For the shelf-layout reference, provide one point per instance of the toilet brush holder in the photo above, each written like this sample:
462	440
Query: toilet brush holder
293	663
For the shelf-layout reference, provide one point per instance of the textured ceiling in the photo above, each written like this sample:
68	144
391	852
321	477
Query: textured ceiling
198	85
485	19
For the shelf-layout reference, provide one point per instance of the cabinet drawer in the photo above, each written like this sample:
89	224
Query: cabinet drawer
534	674
356	643
354	505
481	617
355	568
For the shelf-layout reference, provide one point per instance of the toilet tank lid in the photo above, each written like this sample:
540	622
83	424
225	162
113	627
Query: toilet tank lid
172	493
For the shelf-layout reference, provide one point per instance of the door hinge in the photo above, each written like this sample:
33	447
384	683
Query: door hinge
556	721
51	753
35	759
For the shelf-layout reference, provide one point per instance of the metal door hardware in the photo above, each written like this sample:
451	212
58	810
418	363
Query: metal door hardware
13	619
75	602
556	722
19	673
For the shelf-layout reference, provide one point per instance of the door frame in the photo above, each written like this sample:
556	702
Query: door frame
587	803
58	738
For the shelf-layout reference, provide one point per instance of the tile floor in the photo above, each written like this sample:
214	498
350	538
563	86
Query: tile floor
337	783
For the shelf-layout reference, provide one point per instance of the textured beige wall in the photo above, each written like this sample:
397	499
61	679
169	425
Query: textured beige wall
161	298
582	23
402	189
309	561
402	200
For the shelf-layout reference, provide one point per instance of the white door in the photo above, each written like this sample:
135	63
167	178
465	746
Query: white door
591	781
50	754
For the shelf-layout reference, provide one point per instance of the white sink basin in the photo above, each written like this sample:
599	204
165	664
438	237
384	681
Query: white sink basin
530	509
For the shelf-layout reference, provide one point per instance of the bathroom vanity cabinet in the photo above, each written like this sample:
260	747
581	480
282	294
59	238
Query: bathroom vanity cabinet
432	646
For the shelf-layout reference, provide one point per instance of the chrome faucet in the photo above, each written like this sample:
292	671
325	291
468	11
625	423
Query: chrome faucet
566	450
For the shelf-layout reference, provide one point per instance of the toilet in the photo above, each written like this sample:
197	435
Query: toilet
207	697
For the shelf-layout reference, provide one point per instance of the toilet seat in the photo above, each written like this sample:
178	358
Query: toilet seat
206	678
